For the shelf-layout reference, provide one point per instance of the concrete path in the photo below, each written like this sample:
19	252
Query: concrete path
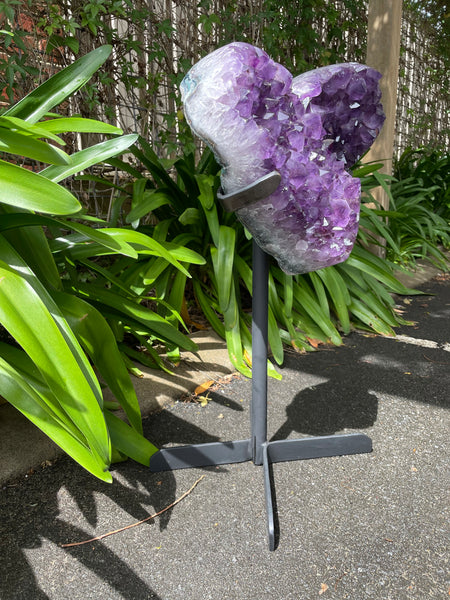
372	526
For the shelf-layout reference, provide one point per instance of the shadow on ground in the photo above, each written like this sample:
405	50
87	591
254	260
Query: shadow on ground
323	393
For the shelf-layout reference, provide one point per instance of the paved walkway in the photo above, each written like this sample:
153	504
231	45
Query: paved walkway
372	526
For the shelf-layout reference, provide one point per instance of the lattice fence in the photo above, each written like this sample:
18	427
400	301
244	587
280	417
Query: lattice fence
138	87
177	33
423	103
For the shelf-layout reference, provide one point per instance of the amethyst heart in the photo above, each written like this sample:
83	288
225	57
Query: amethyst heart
311	129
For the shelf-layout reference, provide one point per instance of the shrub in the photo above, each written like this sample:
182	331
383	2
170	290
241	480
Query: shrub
304	310
60	320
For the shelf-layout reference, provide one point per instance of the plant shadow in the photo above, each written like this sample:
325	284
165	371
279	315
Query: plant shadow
55	504
324	410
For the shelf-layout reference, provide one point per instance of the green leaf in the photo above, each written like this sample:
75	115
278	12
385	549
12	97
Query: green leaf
176	296
320	293
78	125
22	188
36	131
101	236
185	168
144	244
56	89
11	257
231	313
223	260
304	299
206	185
151	161
151	200
122	305
190	216
25	145
339	295
182	253
123	166
32	245
368	263
33	327
97	339
22	396
370	318
366	169
19	360
128	441
205	305
105	237
89	156
288	294
276	345
234	345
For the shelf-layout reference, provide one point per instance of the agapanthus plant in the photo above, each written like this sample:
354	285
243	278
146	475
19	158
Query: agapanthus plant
312	128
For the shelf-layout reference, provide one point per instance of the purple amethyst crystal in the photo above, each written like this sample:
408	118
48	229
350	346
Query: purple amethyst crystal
311	129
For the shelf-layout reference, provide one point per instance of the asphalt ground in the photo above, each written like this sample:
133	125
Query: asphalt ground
368	526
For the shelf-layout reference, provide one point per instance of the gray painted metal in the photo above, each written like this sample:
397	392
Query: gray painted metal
259	352
257	448
260	189
319	447
201	455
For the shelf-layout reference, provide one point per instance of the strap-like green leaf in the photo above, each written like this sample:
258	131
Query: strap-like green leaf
128	441
183	254
288	294
22	396
366	169
205	305
339	295
78	125
102	237
32	326
276	345
147	317
304	299
25	189
56	89
368	263
25	367
24	145
144	243
33	246
234	345
370	318
90	156
36	131
150	200
320	293
223	260
97	339
207	200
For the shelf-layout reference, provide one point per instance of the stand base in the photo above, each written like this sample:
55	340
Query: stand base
222	453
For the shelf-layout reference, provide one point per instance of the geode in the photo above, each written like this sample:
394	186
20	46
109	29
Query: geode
312	128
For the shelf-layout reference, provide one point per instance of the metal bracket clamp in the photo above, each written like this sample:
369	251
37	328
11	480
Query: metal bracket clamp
258	190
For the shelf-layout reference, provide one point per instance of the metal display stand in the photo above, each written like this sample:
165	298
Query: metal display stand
257	448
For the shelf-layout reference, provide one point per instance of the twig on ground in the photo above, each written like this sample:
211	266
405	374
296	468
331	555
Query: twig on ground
436	361
100	537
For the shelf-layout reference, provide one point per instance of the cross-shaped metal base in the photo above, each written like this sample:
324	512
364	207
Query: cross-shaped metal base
257	448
